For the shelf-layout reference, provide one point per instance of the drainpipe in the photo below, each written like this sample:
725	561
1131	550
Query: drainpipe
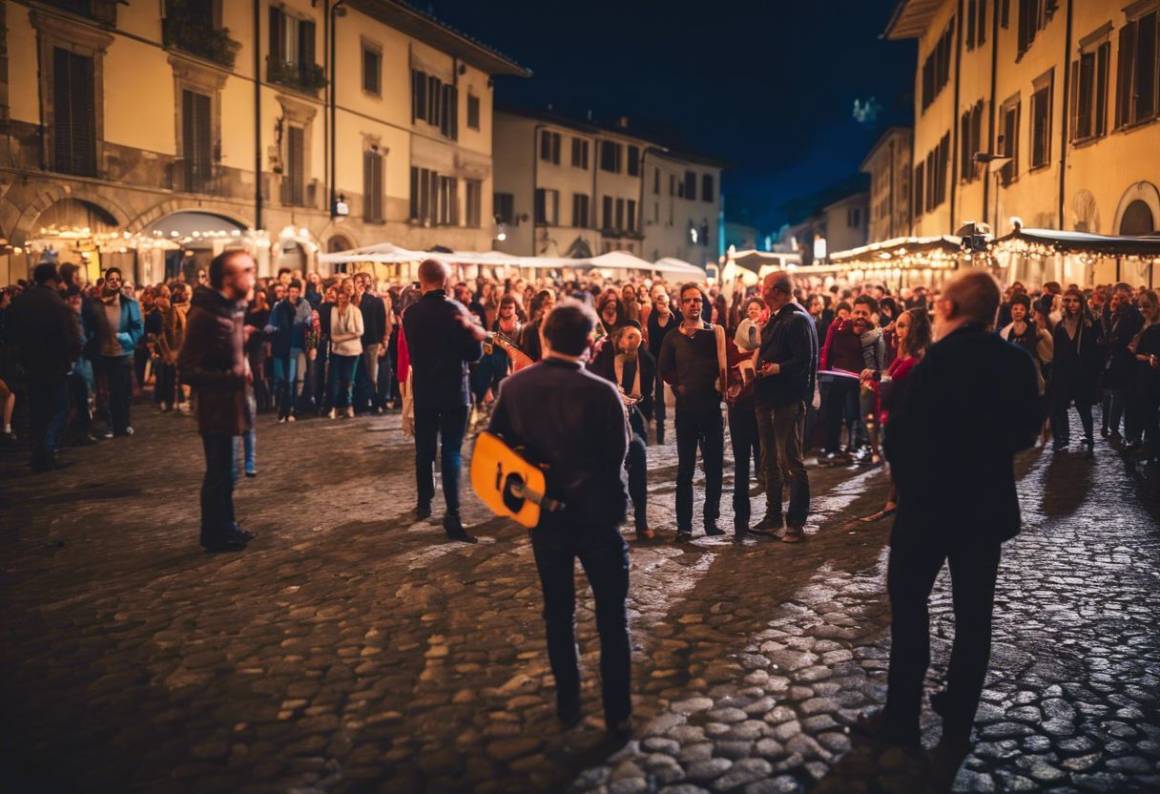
954	152
991	115
535	182
257	114
1066	113
332	91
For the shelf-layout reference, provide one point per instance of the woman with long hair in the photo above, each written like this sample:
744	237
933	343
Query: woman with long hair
912	337
346	330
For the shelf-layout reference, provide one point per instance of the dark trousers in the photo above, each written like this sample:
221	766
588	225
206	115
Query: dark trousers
47	412
118	371
841	402
1060	429
702	429
165	385
217	487
914	565
449	427
659	409
1136	407
604	556
781	429
637	464
743	437
78	391
1113	405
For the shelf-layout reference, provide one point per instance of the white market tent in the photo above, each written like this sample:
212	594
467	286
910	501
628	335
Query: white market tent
388	253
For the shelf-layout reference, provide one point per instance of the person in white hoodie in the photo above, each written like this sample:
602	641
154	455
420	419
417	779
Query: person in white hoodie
346	330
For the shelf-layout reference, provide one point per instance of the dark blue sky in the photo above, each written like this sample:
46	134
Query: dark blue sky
766	85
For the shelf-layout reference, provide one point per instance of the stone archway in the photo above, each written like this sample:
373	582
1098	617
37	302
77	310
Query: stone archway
230	212
25	225
1139	210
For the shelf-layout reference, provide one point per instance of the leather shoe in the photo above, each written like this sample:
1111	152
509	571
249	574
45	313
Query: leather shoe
570	714
618	733
878	728
712	530
455	530
423	511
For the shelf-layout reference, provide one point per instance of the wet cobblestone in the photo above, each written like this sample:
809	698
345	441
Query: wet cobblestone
349	650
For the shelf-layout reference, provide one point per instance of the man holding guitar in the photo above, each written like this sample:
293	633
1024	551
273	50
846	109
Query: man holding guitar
573	424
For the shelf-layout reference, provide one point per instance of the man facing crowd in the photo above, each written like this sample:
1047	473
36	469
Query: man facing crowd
787	362
213	362
442	339
574	421
968	407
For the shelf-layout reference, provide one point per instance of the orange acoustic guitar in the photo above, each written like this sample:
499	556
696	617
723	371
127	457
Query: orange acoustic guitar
519	358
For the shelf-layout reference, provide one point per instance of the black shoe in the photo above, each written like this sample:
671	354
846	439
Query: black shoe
684	535
232	542
245	534
569	714
455	530
768	525
251	474
619	733
423	511
740	534
876	727
712	530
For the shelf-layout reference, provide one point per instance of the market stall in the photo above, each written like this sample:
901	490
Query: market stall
1037	256
907	261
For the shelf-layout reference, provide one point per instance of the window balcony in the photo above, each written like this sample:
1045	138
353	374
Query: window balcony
308	78
198	37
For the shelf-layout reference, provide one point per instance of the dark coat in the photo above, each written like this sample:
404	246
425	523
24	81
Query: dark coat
213	362
961	416
1076	364
45	331
572	421
1118	330
440	349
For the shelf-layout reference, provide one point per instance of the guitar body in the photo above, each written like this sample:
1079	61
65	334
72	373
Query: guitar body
507	483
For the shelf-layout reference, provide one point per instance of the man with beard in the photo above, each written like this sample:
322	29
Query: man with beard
213	362
116	326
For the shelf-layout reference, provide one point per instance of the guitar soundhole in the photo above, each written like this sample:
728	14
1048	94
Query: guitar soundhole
512	486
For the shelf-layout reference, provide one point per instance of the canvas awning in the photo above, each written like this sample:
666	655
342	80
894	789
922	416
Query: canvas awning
940	251
1055	241
670	264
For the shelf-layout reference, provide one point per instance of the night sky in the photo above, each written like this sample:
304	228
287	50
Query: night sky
767	86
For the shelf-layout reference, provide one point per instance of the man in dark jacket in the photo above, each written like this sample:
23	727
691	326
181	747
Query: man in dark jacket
969	406
214	363
787	361
1121	322
442	339
573	421
49	341
374	338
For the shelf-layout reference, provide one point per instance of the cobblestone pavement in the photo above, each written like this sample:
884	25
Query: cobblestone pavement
349	650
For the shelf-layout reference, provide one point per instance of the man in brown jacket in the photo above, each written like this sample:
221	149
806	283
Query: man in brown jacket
212	362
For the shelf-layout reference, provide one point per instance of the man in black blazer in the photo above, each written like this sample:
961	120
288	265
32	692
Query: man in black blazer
573	422
442	339
967	408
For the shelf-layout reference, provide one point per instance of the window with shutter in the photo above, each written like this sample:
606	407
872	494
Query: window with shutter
505	207
706	187
606	212
972	12
196	141
619	225
372	70
1127	57
73	131
1041	127
277	35
981	25
472	112
418	95
630	215
965	169
1145	77
1103	58
540	206
305	49
373	186
633	161
580	219
919	176
474	206
690	185
293	180
1009	143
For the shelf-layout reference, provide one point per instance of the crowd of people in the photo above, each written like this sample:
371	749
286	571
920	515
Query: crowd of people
331	347
945	385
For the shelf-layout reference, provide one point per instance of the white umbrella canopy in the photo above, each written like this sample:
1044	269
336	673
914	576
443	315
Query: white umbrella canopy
383	253
670	264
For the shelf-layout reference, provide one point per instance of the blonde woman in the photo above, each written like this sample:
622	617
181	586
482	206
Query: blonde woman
346	330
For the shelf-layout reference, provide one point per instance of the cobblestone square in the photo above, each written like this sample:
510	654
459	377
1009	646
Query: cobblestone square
348	649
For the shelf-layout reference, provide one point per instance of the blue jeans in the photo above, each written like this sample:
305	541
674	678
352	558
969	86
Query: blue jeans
557	543
248	444
286	381
449	427
342	380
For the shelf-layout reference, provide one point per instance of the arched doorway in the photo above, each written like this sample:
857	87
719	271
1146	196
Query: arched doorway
196	237
82	233
336	244
1137	219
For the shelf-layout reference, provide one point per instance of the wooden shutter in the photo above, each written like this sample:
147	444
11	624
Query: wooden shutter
372	186
74	114
981	29
305	48
965	147
1145	80
295	165
1124	74
197	140
454	112
918	186
972	12
1103	57
1074	99
277	35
